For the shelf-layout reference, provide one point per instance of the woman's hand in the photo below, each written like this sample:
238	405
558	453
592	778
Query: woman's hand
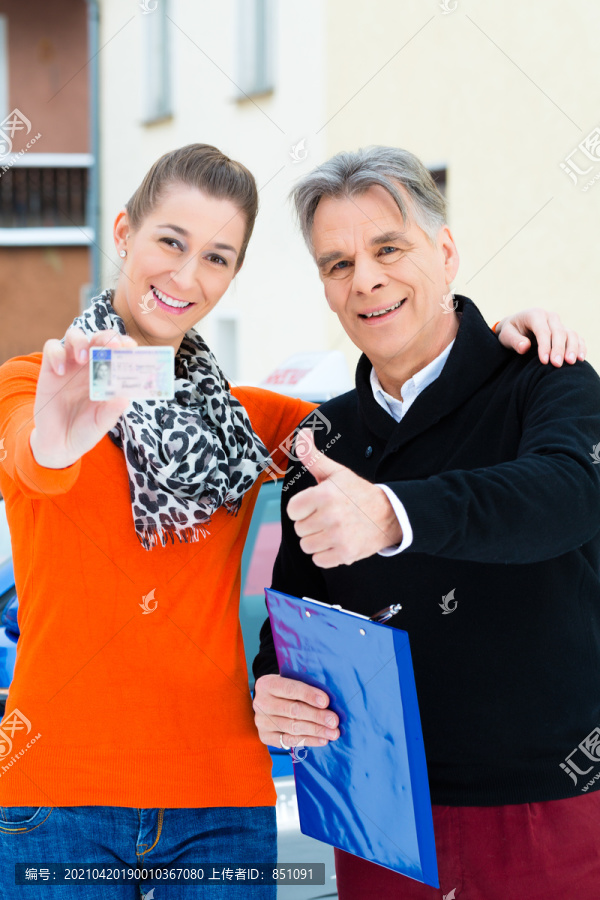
555	342
284	706
67	422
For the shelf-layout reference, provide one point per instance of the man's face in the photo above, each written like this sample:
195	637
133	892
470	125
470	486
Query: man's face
371	262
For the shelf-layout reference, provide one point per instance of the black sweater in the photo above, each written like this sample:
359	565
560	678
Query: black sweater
494	463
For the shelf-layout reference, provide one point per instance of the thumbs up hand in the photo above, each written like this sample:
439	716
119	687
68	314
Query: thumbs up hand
344	518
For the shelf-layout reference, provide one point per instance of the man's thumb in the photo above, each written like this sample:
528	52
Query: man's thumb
319	466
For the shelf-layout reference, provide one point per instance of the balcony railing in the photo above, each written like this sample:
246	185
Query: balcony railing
44	199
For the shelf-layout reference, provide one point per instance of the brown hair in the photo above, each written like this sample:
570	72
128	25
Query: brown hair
206	168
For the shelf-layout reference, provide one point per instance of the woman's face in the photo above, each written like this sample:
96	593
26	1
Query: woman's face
102	372
179	263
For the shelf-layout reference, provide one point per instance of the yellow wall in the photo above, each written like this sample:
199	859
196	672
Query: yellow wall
499	93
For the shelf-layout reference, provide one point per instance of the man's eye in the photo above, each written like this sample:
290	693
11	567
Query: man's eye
340	265
387	250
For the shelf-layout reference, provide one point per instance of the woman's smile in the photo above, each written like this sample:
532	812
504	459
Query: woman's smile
169	303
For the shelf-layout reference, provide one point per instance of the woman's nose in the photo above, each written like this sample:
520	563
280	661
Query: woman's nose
185	277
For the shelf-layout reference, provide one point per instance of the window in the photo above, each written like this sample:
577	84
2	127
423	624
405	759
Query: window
4	110
255	46
260	550
438	174
36	197
226	345
44	199
157	59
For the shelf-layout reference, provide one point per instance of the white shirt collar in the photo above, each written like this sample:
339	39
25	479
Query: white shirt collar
411	389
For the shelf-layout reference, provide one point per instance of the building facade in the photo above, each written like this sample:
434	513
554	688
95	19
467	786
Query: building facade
283	86
45	165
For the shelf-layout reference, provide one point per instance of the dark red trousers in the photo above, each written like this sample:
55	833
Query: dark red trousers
530	851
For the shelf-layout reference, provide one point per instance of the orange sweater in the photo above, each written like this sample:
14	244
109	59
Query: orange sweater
133	710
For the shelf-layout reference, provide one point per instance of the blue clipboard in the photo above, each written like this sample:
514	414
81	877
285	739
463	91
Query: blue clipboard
368	792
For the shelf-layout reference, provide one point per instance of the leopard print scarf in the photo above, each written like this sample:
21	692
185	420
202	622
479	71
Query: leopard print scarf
188	456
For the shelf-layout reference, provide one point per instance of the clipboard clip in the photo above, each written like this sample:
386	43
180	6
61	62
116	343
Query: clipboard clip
384	614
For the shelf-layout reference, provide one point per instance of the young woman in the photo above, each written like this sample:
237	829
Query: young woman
129	731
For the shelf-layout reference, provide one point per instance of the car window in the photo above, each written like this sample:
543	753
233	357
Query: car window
261	548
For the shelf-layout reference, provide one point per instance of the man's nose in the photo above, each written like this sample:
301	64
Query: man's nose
368	276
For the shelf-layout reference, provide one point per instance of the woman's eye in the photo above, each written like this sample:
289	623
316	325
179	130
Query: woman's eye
214	257
172	242
387	250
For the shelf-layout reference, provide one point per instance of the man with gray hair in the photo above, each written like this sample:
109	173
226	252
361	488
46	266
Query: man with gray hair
463	471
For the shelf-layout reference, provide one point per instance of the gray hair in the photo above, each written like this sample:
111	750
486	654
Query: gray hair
351	173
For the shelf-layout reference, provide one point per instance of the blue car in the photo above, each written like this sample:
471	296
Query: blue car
9	630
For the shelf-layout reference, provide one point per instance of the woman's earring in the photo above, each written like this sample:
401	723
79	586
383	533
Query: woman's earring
123	254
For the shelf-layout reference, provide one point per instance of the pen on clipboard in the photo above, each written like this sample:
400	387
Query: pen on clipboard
384	614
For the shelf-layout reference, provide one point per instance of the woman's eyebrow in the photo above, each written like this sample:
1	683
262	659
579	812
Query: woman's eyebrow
176	228
184	233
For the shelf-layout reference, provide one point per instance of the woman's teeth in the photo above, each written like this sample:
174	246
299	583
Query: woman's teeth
382	312
164	298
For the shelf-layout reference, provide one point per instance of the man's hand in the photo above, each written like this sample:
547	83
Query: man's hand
344	518
295	710
555	342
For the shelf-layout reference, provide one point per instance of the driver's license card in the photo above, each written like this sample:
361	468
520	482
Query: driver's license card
142	373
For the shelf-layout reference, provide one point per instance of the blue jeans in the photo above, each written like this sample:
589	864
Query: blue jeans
116	837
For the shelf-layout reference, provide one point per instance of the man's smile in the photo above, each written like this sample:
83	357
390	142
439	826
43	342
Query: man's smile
382	311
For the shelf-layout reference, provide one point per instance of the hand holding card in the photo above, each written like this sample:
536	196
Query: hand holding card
67	422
